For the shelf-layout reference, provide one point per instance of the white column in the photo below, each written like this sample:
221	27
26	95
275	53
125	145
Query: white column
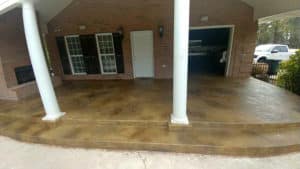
38	62
180	75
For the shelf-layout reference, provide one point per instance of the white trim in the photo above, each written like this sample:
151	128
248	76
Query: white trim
69	55
211	27
230	43
68	52
132	53
7	5
230	46
100	55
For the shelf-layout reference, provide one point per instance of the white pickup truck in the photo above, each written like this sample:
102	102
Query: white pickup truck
272	52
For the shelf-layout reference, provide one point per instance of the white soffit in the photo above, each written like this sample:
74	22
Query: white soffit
50	8
286	15
47	9
267	8
6	5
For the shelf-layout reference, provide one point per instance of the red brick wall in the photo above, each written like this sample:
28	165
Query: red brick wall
13	49
13	53
230	12
108	15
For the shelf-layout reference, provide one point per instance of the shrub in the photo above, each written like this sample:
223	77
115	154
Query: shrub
289	74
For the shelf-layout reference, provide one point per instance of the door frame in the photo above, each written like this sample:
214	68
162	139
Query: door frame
230	42
132	52
99	54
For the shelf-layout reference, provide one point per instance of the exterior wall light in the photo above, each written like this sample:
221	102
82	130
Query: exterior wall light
161	30
120	30
82	27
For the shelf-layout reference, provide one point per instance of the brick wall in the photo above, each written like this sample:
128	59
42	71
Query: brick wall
13	47
108	15
230	12
14	53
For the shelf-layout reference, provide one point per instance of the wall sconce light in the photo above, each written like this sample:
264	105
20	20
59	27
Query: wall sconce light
57	29
204	19
82	27
120	30
161	30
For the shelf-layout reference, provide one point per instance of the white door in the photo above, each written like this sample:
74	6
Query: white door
142	54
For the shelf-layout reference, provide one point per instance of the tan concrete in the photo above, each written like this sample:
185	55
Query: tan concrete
232	117
35	156
211	99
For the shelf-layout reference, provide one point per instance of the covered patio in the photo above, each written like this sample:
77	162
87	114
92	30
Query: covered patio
71	49
210	99
232	117
196	114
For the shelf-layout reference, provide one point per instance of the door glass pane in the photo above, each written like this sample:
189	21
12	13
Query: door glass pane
75	52
107	53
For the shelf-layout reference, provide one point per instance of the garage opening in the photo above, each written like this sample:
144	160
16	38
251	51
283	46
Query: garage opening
209	50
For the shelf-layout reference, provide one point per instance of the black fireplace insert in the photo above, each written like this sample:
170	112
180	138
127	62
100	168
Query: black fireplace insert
24	74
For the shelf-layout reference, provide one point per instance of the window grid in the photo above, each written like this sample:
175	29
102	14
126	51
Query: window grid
107	53
76	55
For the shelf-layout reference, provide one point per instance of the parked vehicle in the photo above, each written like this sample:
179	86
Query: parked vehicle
275	52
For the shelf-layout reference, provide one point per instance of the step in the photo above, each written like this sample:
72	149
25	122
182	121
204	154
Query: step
222	141
195	124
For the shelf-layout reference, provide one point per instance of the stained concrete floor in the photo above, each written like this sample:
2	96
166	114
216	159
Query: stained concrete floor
17	155
211	99
240	117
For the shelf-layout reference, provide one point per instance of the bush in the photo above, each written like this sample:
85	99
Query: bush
289	74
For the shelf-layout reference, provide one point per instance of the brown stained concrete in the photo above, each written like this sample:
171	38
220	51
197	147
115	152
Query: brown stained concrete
228	116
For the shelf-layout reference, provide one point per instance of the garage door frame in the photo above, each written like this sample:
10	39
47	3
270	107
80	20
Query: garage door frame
230	44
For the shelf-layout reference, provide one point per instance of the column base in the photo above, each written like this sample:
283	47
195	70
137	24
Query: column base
181	121
53	118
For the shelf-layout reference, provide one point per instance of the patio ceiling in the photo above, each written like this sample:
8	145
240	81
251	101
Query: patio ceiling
274	9
6	5
47	8
263	9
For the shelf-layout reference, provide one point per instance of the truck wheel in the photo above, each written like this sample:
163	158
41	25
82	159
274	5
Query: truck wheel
262	60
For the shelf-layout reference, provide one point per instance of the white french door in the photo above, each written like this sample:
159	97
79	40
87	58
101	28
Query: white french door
106	52
75	54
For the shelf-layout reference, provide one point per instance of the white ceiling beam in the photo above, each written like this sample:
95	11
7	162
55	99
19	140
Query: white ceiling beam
6	5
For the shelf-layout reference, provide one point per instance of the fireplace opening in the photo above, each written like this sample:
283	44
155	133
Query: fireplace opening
24	74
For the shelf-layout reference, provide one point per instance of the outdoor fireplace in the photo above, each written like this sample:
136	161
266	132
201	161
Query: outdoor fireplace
24	74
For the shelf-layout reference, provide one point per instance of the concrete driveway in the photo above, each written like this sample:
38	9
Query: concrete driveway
17	155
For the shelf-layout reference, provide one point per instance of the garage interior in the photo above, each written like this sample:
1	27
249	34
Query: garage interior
206	50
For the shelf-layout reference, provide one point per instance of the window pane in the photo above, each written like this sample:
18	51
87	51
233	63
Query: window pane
78	64
75	51
107	53
108	63
105	43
